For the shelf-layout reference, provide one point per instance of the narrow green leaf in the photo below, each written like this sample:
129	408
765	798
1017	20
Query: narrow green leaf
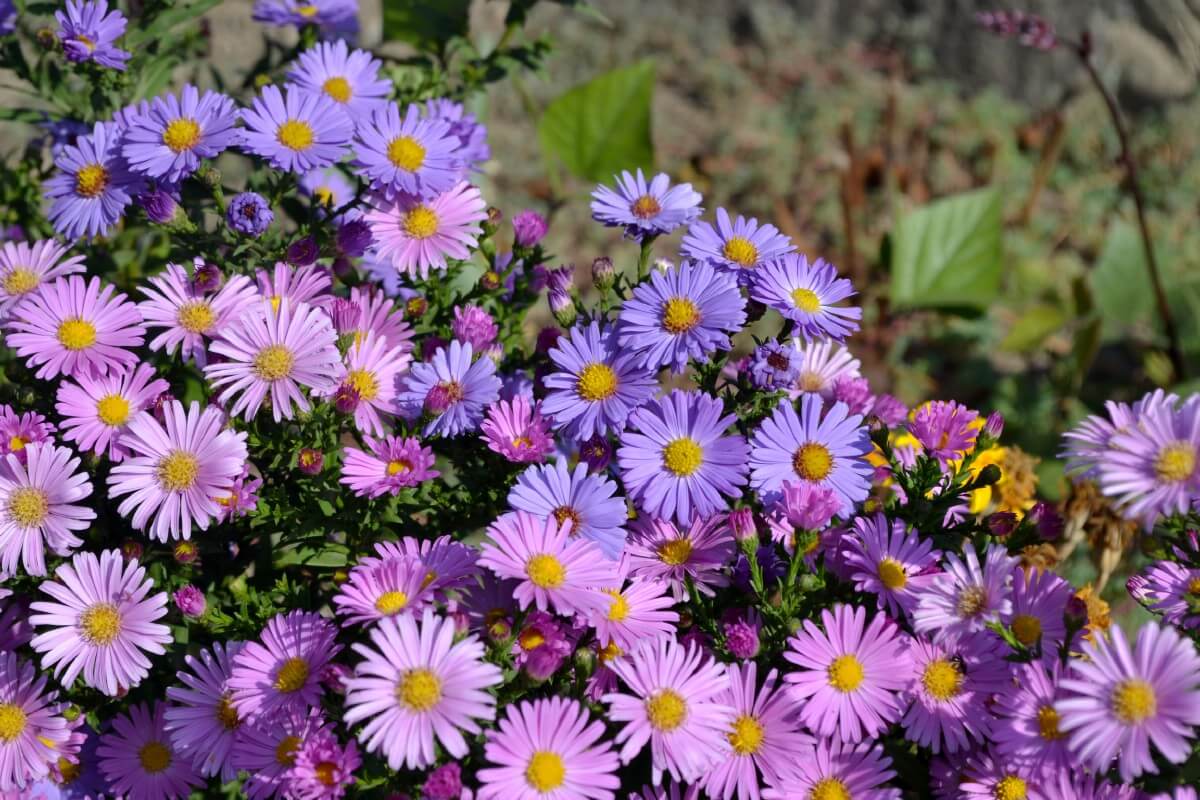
1120	285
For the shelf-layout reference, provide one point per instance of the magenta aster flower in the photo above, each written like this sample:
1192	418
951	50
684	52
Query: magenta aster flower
74	328
574	495
474	326
836	770
1027	731
266	749
542	645
1088	443
645	208
684	312
281	672
453	389
407	155
676	702
416	683
32	729
658	550
549	747
393	463
348	77
377	314
1039	601
680	464
41	508
383	589
968	595
823	363
1119	701
415	235
201	719
87	30
103	620
736	246
516	430
175	133
323	768
309	284
596	385
97	410
945	429
448	564
296	130
19	430
554	569
805	293
888	560
634	613
191	317
371	368
823	447
24	268
766	739
92	185
671	791
138	760
851	674
275	354
176	469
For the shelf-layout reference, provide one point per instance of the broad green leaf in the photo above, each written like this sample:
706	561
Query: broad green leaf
1032	327
948	253
425	24
603	126
1120	285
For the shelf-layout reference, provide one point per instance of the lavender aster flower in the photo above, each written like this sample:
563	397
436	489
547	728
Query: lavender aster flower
805	293
296	131
452	390
407	155
175	133
968	595
92	186
645	208
249	214
738	246
87	31
335	16
348	77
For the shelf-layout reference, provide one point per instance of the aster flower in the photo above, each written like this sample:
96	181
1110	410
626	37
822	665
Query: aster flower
448	564
471	133
823	363
968	595
72	328
416	236
805	293
488	603
32	729
275	354
371	367
548	747
823	447
17	431
323	768
393	463
376	314
542	645
890	561
190	317
349	77
1027	731
97	410
474	326
281	672
516	430
41	509
177	132
93	184
138	760
1119	701
986	776
671	791
201	720
680	464
24	268
308	284
851	674
684	312
453	388
241	499
87	30
596	385
296	130
945	429
529	228
335	16
552	569
1089	442
249	214
658	550
407	155
774	366
102	621
176	469
328	188
636	610
1039	601
266	749
587	501
1074	786
645	208
1173	590
416	683
384	589
832	769
736	246
677	703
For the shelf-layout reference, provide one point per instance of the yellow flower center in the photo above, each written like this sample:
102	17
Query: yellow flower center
406	153
546	771
324	196
12	722
806	300
942	679
177	471
68	771
1010	787
226	714
740	251
100	624
292	676
597	382
675	551
810	381
666	710
421	222
1027	628
1176	462
154	757
813	461
564	513
181	134
392	602
285	751
295	135
196	316
829	789
307	10
619	610
1047	719
28	506
1134	701
747	735
1194	587
846	673
16	443
419	690
112	410
972	601
364	383
274	362
531	639
546	571
76	334
645	207
683	456
892	574
91	180
20	281
398	466
338	88
86	41
608	653
680	315
325	772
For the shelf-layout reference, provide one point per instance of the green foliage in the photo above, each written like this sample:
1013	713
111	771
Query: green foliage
425	24
1119	285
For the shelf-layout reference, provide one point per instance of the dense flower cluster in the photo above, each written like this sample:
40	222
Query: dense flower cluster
644	550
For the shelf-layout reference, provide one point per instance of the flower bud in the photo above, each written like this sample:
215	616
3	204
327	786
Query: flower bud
310	461
603	273
1002	523
346	399
190	601
415	307
741	522
528	228
596	452
160	206
994	426
186	552
131	549
303	252
563	307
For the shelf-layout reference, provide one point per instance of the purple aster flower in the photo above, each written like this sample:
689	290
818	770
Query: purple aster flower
669	791
87	31
645	208
201	719
587	501
266	750
888	560
474	326
333	16
805	507
516	430
8	17
448	564
323	768
444	783
890	410
834	770
805	294
737	246
93	184
1172	590
188	316
1039	602
542	645
381	589
25	268
657	550
775	366
855	393
471	133
40	497
177	132
249	214
19	430
987	776
1088	443
451	391
685	312
680	464
416	235
296	131
968	595
393	463
328	188
97	410
139	761
31	721
407	155
1028	732
280	673
529	228
946	429
348	77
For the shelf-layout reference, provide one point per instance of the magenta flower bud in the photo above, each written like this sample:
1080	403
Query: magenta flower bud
547	338
334	677
1076	611
415	307
994	426
741	522
741	638
854	392
206	276
474	326
444	783
303	252
490	280
528	228
1002	523
346	398
596	452
160	206
1048	521
431	345
561	279
157	405
186	552
310	461
890	410
131	549
353	238
346	314
190	601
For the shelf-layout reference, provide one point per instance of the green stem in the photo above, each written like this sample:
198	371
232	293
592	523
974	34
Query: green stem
644	257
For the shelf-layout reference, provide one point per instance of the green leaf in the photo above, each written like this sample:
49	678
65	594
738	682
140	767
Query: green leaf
178	14
603	126
1120	284
425	24
1032	327
948	253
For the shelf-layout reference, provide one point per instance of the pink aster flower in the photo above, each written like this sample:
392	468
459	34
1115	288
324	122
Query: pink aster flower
96	410
636	610
32	729
74	328
671	791
658	550
416	683
201	719
39	506
138	760
474	326
19	430
888	560
946	429
415	235
542	645
836	770
190	317
102	620
275	354
176	469
281	672
25	267
968	595
988	776
676	703
323	768
851	674
266	750
309	284
1027	730
383	589
375	312
241	499
448	564
516	430
807	506
392	464
549	747
370	368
